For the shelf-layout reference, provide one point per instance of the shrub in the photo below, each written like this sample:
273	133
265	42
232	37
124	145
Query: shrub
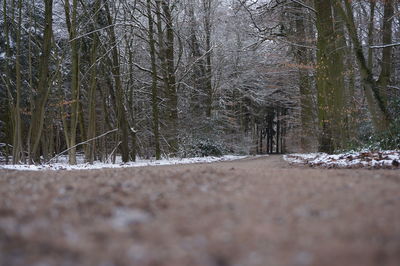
202	147
389	140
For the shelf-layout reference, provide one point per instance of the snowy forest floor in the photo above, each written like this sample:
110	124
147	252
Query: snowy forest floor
254	211
62	163
365	159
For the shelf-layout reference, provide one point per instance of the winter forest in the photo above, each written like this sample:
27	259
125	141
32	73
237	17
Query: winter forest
98	79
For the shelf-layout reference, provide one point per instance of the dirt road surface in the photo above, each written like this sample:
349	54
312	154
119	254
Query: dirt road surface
250	212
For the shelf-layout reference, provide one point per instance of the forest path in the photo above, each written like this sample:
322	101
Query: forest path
258	211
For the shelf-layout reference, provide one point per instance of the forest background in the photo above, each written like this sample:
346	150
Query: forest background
153	78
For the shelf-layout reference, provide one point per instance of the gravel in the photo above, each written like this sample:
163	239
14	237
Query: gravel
259	211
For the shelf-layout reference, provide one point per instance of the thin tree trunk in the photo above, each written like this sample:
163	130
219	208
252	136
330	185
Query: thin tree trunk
119	94
17	152
208	67
131	99
199	68
90	156
8	76
91	131
162	51
72	29
386	63
154	89
373	107
171	93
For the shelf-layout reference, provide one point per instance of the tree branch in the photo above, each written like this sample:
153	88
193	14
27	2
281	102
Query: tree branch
384	45
84	142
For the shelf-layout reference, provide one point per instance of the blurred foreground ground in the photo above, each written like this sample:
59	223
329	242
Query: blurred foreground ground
248	212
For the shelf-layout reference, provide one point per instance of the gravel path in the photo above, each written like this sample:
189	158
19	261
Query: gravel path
249	212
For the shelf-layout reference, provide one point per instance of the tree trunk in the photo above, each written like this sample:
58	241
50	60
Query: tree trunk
306	94
91	131
166	55
376	115
198	103
72	29
383	119
131	99
338	81
15	104
43	88
386	63
154	89
326	90
171	93
119	94
208	68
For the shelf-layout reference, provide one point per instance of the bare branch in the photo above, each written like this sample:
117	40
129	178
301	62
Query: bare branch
384	45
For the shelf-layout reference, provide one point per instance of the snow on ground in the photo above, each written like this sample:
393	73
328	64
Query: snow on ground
63	165
363	159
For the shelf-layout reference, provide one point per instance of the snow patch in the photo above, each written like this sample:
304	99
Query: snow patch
63	165
363	159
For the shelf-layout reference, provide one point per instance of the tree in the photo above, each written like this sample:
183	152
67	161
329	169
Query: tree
91	149
119	94
166	53
329	85
72	25
302	57
43	87
380	114
154	89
